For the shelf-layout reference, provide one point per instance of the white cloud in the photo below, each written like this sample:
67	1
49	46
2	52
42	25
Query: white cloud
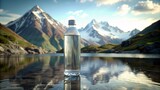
13	15
101	71
78	13
139	78
83	1
1	11
144	7
102	2
124	9
6	17
107	2
84	15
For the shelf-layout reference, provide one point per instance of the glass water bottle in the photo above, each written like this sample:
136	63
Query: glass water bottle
72	50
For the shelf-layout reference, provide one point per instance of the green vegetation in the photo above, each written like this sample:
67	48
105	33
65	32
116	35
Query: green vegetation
95	48
91	48
3	40
7	36
107	46
141	40
47	44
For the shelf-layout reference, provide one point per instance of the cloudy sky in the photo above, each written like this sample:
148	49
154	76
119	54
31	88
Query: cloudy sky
125	14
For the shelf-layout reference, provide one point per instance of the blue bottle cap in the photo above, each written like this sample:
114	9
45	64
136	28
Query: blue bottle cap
71	22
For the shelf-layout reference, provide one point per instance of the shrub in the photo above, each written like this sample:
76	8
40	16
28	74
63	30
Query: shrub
107	46
3	40
9	37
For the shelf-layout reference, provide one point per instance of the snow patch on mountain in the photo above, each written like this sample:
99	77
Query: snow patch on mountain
87	36
102	33
39	28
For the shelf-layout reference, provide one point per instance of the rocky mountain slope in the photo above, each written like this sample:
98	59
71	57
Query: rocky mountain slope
40	29
12	43
101	33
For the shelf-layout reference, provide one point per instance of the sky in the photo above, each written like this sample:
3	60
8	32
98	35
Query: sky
125	14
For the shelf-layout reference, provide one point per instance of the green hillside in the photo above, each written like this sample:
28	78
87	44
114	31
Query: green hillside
7	36
146	41
12	43
95	48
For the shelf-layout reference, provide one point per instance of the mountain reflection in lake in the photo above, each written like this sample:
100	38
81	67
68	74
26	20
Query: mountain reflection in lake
98	72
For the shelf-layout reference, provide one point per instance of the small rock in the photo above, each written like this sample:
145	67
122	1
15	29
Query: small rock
1	49
36	51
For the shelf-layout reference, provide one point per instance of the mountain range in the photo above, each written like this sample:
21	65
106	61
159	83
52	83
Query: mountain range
40	29
101	33
146	41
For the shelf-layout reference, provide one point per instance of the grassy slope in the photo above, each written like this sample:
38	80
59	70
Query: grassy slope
98	48
146	37
47	44
7	36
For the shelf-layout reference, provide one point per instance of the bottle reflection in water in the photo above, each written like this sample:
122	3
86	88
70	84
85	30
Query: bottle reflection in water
72	50
72	83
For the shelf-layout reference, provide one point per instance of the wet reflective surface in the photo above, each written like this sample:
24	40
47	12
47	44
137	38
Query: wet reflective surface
98	72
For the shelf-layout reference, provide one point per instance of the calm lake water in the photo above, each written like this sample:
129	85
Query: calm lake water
98	72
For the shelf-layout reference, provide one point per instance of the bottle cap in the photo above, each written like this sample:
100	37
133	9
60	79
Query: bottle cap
71	22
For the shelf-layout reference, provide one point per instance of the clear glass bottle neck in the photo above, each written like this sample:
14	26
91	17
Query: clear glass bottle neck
71	25
72	30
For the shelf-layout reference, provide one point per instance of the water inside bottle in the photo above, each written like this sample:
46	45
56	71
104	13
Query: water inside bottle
72	55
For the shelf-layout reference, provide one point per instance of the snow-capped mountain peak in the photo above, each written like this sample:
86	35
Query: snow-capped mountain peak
35	11
93	22
103	23
39	28
33	15
37	8
39	13
102	33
